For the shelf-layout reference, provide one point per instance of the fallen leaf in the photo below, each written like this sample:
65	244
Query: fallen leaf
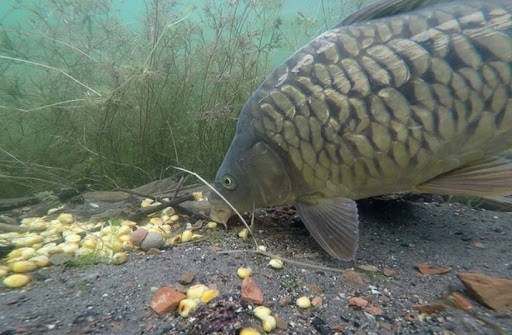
432	269
460	301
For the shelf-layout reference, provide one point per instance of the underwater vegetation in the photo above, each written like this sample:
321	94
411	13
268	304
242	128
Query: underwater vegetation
87	97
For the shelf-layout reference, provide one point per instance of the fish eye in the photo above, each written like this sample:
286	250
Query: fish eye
228	182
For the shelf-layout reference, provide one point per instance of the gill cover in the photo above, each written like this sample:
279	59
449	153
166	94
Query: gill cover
268	177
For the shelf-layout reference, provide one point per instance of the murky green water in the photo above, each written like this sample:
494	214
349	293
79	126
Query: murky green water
112	93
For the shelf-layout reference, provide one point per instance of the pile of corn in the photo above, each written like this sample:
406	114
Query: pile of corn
107	241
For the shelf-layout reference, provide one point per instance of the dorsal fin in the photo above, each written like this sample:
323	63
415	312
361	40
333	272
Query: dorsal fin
385	8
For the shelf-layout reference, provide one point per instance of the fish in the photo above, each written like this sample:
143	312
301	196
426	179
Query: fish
401	96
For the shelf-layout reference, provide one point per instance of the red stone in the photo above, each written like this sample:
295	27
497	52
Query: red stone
429	308
358	302
374	310
251	292
166	300
138	236
493	292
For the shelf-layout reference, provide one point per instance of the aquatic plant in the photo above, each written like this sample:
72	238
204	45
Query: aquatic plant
86	97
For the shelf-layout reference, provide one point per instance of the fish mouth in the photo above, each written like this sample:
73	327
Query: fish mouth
221	215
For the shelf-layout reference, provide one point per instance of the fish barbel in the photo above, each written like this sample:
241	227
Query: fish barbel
404	95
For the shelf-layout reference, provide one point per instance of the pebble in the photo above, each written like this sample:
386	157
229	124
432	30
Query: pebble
138	236
285	300
186	278
317	301
493	292
358	302
152	240
166	300
429	308
353	278
374	310
250	292
388	272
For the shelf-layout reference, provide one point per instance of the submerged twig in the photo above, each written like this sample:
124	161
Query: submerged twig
223	198
49	67
287	260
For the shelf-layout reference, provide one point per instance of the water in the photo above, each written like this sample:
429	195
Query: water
102	92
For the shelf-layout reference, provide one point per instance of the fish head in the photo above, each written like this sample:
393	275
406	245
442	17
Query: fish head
252	175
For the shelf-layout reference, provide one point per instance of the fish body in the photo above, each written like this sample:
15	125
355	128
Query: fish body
406	95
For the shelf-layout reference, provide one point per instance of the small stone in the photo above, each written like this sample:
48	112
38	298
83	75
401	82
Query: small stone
460	301
316	301
153	251
388	272
374	310
493	292
432	269
186	278
429	308
479	245
285	300
166	300
358	302
251	292
368	268
353	278
281	323
138	236
152	240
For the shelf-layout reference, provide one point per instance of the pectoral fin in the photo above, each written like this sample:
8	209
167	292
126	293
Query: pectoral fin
491	177
334	224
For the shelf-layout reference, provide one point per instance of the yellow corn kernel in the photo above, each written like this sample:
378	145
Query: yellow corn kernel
169	211
23	266
262	248
211	225
198	196
186	236
249	331
125	238
128	245
73	238
261	312
83	252
276	263
196	291
119	258
243	234
41	260
186	306
14	254
209	295
244	272
4	270
175	240
174	218
146	203
269	323
303	302
66	219
124	230
27	253
89	242
37	245
16	280
156	221
69	247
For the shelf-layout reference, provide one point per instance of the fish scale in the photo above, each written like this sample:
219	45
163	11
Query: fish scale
413	95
